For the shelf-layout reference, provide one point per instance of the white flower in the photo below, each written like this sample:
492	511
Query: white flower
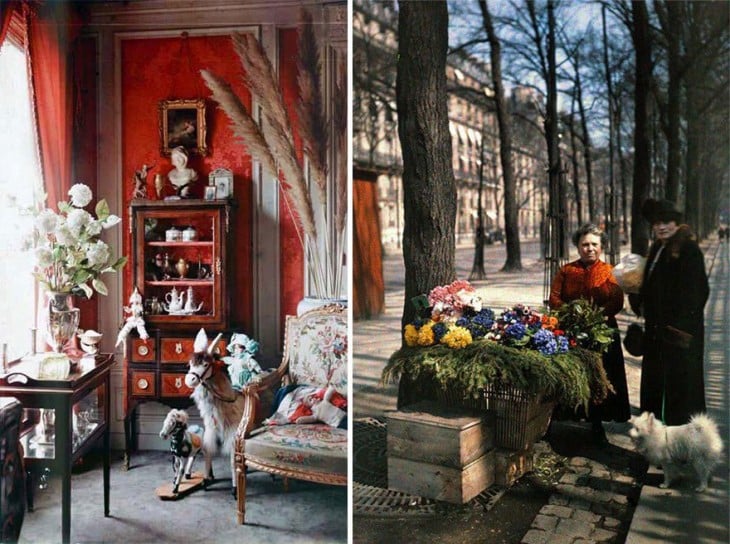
46	221
65	236
69	255
80	195
77	219
94	227
44	256
98	253
111	221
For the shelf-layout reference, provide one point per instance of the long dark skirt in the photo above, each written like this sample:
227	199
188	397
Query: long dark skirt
616	407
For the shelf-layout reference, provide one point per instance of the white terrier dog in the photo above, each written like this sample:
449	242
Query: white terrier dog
695	446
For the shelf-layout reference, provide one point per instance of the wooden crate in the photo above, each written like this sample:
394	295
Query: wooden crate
454	485
437	435
511	465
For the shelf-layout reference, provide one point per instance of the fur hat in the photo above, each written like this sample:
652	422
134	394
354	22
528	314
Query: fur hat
660	210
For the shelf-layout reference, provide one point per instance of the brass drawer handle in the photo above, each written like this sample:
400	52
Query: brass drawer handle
143	350
143	384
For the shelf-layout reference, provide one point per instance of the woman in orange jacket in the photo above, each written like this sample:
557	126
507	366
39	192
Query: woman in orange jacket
592	279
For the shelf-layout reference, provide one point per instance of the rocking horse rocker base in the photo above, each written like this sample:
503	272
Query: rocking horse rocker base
187	486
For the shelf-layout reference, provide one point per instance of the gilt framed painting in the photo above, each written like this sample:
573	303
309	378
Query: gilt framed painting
182	123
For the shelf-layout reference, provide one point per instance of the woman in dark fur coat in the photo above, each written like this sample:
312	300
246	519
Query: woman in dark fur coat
672	301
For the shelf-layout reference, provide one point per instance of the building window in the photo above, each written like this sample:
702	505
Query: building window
19	182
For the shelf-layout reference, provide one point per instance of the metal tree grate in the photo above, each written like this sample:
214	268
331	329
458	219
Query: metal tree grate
370	493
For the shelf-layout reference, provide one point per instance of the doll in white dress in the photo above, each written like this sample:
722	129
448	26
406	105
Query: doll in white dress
242	367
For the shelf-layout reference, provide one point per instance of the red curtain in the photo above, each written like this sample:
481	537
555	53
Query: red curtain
52	28
51	31
6	11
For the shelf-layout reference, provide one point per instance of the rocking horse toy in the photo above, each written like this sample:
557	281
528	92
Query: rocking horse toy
185	443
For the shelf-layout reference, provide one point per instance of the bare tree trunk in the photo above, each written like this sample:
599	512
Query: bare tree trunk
587	151
674	90
555	218
511	226
429	189
693	169
477	269
574	160
622	172
642	135
612	223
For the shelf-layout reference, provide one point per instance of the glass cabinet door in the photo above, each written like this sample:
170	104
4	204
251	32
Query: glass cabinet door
179	263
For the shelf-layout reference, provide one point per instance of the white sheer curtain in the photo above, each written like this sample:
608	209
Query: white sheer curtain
19	182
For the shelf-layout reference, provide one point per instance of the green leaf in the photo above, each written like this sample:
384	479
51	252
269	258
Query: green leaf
100	286
121	261
86	289
64	207
102	209
81	276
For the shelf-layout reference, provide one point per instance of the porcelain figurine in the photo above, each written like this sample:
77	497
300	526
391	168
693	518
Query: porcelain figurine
135	319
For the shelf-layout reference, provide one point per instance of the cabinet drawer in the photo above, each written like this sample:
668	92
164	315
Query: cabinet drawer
143	351
176	350
173	385
143	384
179	350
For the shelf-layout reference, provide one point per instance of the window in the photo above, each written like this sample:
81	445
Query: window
19	180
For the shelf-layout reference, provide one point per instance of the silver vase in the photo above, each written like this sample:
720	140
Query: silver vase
63	320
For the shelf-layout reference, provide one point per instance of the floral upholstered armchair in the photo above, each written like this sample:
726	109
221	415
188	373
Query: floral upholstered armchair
310	385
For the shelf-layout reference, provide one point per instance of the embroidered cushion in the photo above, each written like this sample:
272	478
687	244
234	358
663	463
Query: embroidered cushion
316	346
317	447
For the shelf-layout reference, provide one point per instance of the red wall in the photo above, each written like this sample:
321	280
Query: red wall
163	69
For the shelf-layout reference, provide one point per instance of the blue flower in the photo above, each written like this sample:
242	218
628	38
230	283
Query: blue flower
462	322
485	319
545	342
439	330
515	330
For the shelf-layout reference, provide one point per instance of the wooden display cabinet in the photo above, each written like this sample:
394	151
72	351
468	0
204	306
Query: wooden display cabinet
193	233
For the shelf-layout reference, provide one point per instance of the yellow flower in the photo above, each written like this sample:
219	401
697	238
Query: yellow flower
425	334
411	335
457	338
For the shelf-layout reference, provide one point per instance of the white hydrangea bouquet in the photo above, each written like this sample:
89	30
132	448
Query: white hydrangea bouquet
70	255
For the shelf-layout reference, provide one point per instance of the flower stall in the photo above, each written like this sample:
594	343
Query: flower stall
518	364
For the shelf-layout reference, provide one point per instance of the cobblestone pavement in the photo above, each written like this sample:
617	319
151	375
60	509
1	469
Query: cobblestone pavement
592	502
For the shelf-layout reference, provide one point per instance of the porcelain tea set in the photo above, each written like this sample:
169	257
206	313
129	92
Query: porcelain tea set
175	303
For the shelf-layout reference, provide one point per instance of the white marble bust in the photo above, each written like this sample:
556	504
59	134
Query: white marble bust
181	176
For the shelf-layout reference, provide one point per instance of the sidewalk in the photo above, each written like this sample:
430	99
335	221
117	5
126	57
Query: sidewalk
656	518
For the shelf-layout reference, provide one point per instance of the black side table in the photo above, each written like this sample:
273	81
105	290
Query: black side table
80	406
